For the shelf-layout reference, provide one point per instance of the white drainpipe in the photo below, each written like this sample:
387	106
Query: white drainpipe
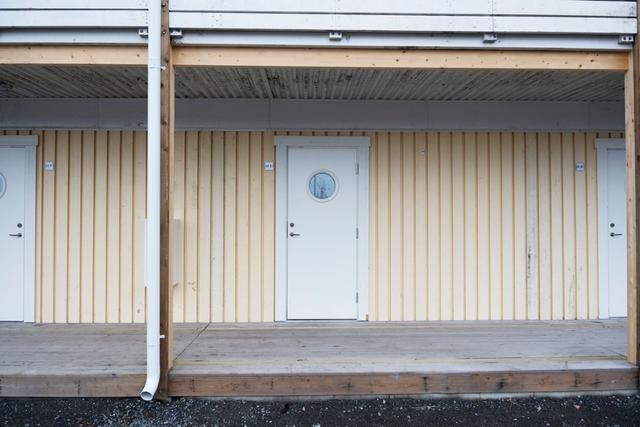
152	255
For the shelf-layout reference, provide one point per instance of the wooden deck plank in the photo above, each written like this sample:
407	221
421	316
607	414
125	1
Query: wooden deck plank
323	358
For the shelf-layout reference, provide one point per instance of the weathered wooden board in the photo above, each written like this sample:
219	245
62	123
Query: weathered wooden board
320	358
404	383
71	385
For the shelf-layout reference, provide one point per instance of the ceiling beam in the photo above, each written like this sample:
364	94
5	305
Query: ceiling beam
397	59
73	55
319	58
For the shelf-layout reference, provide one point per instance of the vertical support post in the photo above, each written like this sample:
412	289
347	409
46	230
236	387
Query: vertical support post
632	147
167	127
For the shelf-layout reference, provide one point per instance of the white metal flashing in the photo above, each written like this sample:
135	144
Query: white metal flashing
543	24
401	40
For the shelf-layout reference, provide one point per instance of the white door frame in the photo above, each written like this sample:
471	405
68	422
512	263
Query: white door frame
602	145
29	144
282	144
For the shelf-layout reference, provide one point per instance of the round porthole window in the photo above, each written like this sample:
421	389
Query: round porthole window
322	186
3	185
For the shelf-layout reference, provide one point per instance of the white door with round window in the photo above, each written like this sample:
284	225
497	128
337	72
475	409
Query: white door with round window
322	246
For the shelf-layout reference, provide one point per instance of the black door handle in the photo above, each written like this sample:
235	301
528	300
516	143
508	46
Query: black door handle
292	234
615	234
16	235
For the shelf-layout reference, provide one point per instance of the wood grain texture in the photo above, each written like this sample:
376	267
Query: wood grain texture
166	222
385	58
355	358
402	383
74	55
328	358
632	153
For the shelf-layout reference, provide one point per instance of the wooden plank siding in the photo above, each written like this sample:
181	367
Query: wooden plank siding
463	225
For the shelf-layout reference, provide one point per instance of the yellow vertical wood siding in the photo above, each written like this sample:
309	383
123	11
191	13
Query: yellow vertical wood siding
90	214
225	203
463	225
491	226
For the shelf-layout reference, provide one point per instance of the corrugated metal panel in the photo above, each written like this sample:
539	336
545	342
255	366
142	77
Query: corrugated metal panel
261	83
490	226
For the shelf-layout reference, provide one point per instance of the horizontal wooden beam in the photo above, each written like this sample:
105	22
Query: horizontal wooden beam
72	385
266	385
398	59
319	58
74	55
404	383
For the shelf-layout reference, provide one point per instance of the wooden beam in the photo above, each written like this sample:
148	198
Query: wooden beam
632	145
360	384
167	123
73	55
398	59
404	383
76	385
318	58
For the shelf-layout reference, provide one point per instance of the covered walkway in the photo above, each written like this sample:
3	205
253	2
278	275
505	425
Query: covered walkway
332	358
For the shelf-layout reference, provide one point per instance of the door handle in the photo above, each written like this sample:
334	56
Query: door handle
292	234
615	234
16	235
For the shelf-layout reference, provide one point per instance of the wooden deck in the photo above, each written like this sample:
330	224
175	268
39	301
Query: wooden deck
331	358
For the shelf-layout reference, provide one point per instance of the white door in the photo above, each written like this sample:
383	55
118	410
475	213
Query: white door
617	233
322	221
12	241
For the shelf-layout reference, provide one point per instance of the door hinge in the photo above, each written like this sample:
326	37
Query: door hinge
357	233
357	297
357	168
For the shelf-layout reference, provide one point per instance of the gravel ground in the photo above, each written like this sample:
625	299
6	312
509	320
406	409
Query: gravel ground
574	411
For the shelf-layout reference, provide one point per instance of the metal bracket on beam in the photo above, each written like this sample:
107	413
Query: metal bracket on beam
173	33
626	39
489	37
335	36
